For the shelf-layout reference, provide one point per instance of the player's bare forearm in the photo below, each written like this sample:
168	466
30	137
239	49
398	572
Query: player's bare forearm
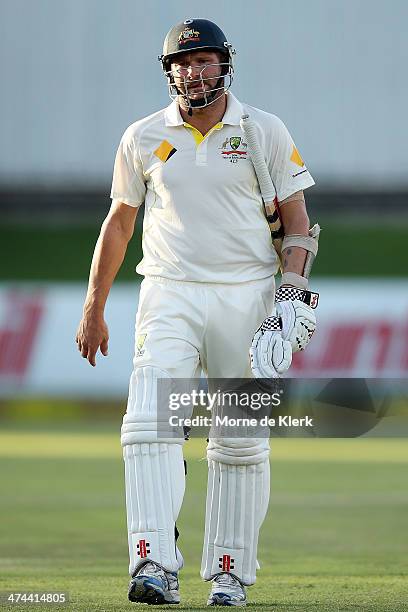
295	221
110	249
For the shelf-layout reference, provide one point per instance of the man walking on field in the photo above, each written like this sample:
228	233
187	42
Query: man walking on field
209	267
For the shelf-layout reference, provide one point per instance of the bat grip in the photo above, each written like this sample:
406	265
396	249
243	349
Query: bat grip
261	169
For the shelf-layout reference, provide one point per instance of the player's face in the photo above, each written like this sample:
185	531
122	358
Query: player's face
196	72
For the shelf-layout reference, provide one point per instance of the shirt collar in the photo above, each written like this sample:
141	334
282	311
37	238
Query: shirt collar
172	116
234	110
232	116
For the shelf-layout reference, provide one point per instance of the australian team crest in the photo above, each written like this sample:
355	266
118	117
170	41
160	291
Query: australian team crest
188	34
234	149
235	141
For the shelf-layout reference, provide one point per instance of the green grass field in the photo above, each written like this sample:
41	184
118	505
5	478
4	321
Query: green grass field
334	538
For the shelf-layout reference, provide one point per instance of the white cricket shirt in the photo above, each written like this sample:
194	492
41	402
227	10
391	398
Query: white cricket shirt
204	218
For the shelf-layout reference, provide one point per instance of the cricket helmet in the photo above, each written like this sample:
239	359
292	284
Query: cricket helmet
195	35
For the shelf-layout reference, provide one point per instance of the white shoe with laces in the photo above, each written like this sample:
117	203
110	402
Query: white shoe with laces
152	584
227	590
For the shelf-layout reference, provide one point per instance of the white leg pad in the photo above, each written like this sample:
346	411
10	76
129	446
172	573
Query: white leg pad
155	482
237	501
154	476
143	420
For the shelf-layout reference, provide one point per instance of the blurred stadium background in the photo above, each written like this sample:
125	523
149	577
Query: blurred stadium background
75	74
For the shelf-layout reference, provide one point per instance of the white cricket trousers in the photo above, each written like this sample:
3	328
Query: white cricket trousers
189	325
182	328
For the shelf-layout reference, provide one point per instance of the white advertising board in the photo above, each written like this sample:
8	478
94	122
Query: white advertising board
362	332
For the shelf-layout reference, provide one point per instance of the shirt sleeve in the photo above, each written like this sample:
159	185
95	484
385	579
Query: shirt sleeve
128	184
286	166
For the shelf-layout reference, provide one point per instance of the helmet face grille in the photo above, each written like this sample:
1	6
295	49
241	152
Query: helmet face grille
186	87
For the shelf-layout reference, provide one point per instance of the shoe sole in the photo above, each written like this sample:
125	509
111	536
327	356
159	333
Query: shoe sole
144	590
224	600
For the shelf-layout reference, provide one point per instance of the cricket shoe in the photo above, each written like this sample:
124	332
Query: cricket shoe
151	584
227	590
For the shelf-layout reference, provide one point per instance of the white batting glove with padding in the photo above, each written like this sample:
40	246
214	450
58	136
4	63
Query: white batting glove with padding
288	330
270	354
295	308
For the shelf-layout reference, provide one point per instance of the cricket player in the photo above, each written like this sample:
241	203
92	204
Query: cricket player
208	296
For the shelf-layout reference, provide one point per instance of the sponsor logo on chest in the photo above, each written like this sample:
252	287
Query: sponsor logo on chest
234	149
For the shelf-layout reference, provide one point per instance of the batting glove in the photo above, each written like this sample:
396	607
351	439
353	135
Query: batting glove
295	308
288	330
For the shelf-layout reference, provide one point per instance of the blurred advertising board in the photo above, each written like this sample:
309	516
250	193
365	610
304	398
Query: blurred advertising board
362	332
